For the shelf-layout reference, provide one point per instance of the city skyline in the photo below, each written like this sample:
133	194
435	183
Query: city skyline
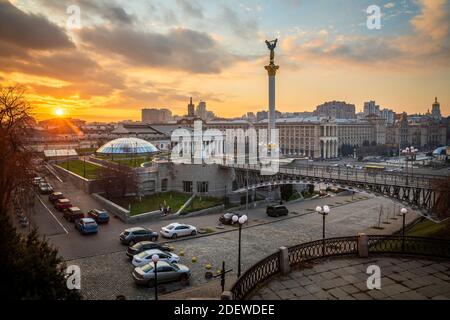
126	56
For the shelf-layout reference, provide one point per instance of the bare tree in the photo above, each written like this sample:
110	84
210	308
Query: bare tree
118	180
16	167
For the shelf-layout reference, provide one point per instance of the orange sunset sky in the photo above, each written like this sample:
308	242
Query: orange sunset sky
126	55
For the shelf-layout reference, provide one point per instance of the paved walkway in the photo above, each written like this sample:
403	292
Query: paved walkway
404	278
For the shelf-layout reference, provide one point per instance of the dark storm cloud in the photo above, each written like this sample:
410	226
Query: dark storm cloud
107	10
180	49
30	31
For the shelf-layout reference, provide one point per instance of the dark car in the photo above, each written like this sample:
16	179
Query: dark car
45	188
144	246
277	211
137	234
227	218
55	196
73	214
100	216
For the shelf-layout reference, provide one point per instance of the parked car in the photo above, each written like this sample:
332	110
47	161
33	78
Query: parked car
175	230
227	218
277	211
63	204
45	188
73	214
86	226
53	197
37	180
137	234
144	246
146	257
167	272
100	216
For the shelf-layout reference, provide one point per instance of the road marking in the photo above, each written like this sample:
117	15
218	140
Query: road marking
65	230
49	168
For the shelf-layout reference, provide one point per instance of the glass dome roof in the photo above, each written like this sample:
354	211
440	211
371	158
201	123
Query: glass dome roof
127	146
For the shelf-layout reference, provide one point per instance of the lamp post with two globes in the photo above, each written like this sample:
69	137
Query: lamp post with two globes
155	259
241	221
324	212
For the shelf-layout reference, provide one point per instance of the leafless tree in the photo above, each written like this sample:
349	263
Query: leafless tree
118	180
16	167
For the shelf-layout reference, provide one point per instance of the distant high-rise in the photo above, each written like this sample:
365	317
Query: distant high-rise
191	109
371	109
156	115
436	110
201	110
336	110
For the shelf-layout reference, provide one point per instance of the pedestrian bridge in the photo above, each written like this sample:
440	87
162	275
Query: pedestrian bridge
420	191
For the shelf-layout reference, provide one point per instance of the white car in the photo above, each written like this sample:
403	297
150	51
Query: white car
146	257
175	230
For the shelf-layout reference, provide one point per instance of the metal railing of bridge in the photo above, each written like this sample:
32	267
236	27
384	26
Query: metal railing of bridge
351	175
385	244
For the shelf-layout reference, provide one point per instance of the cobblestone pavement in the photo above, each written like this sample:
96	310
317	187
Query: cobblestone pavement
108	275
405	278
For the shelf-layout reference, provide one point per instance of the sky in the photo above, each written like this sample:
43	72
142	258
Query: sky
117	57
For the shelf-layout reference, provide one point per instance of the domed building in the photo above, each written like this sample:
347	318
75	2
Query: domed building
127	146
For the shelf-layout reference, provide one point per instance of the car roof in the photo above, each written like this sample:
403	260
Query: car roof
63	200
154	251
135	229
160	264
74	209
88	220
177	224
57	193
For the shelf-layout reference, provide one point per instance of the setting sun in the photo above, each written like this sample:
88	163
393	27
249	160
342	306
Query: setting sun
59	112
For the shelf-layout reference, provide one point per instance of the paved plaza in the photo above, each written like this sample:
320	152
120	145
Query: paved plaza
404	278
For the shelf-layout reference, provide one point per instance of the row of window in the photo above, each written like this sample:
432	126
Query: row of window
202	186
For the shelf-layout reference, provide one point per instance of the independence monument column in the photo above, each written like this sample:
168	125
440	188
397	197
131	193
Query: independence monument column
272	71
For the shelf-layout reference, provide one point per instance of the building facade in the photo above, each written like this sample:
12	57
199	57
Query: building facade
336	110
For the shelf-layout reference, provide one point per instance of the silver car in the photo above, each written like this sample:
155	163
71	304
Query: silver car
146	257
166	272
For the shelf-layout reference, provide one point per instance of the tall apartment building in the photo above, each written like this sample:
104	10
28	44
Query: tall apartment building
156	115
336	110
371	108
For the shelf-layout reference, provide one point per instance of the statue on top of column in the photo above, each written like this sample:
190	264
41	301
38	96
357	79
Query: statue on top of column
271	45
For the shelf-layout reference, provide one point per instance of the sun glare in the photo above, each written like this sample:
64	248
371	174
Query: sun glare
59	112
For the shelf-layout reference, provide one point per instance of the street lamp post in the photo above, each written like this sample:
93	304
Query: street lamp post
411	153
241	220
404	211
155	259
324	212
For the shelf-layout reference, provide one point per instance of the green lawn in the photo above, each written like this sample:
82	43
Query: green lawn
79	167
128	160
151	203
201	203
172	199
427	228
